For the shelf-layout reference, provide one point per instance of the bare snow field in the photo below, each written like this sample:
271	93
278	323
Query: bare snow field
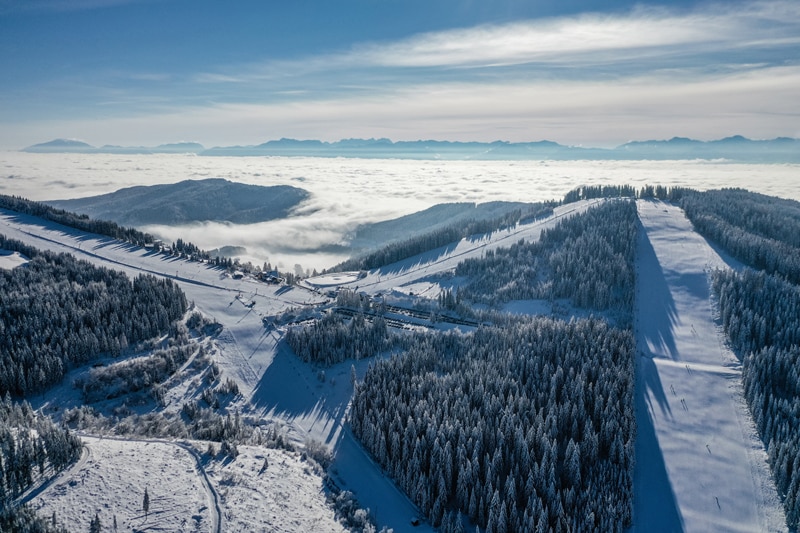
11	260
241	495
348	192
112	481
271	490
700	465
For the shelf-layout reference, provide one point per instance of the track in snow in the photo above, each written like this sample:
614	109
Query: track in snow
699	463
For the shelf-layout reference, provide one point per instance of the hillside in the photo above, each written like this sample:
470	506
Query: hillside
693	423
440	216
188	201
238	495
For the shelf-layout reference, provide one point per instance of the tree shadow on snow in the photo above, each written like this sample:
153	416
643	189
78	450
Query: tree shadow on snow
657	314
654	505
288	389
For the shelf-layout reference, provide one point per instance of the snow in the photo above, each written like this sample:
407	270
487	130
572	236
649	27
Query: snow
112	481
287	496
332	280
273	382
427	273
699	463
10	260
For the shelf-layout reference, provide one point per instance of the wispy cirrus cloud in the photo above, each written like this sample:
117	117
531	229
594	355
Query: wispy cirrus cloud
731	34
758	104
643	33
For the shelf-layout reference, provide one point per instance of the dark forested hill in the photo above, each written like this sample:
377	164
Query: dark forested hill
213	199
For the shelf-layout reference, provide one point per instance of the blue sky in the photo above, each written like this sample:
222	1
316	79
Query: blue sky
144	72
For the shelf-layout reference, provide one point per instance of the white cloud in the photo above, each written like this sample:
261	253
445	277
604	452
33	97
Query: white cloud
592	79
643	34
757	103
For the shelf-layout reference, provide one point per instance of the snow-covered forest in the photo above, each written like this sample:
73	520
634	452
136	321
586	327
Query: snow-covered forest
59	311
586	258
32	448
524	428
397	251
507	422
761	231
760	312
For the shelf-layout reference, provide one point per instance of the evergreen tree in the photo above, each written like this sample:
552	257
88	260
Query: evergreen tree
95	526
146	503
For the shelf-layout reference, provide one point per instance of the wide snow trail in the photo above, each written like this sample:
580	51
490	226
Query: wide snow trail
699	463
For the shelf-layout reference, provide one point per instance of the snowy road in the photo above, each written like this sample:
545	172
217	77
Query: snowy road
699	463
68	472
111	477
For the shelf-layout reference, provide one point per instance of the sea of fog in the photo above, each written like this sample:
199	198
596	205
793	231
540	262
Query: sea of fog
349	192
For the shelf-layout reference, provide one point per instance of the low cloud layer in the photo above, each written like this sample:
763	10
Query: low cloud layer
349	192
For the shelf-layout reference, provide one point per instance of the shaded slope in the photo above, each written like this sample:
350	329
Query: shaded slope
700	466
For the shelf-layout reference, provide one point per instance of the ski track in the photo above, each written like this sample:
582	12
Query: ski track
437	261
700	465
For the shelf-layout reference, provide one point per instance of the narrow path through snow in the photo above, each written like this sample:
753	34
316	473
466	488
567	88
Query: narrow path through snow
111	474
45	484
699	463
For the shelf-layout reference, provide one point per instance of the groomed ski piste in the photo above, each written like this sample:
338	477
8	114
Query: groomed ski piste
700	465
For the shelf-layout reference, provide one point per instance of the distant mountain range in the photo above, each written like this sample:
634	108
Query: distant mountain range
213	199
736	148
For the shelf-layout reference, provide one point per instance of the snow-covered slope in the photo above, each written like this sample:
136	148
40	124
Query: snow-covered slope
699	463
188	491
11	260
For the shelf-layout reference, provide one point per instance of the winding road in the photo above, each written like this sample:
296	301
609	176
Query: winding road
72	472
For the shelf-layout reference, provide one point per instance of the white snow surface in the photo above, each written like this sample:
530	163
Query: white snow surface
700	465
678	479
10	260
110	480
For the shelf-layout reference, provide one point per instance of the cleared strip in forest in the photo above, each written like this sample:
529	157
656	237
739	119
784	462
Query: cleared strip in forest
700	465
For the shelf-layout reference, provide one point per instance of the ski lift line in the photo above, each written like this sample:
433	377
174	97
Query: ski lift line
420	266
176	277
